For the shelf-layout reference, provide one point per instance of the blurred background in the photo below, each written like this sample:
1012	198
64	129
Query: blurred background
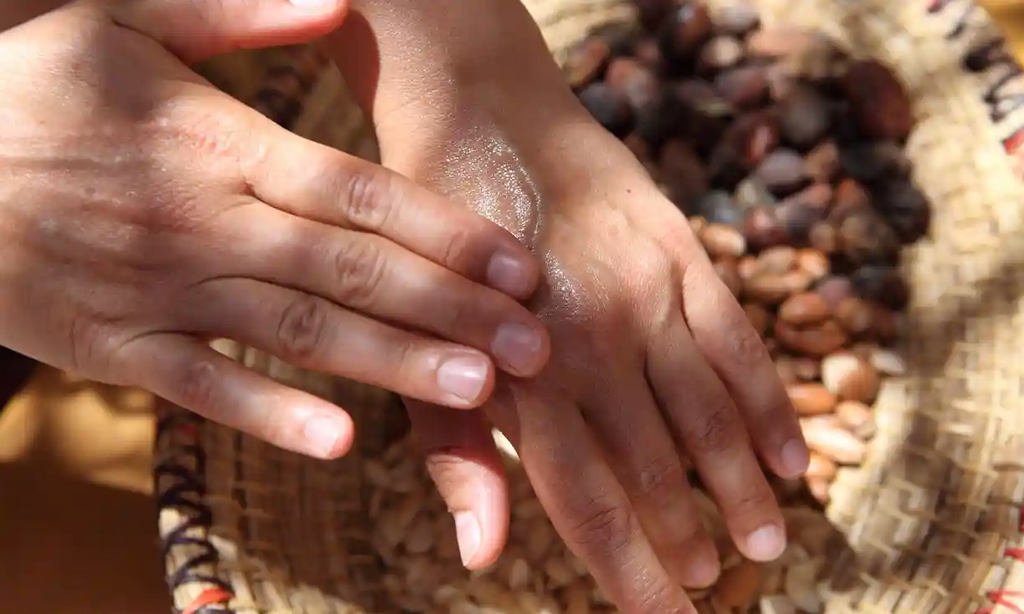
77	527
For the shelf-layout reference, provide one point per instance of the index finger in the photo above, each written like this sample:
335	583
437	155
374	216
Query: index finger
319	183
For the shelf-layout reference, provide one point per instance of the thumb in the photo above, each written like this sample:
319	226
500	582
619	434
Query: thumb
466	467
195	30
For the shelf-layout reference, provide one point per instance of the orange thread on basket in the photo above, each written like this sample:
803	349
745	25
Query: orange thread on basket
210	596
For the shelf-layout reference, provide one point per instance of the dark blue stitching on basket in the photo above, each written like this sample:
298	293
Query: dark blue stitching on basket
186	495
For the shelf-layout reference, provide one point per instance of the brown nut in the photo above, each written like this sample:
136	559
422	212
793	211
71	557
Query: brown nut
833	442
811	399
856	315
760	318
814	263
879	102
804	309
819	340
720	240
739	586
850	378
776	260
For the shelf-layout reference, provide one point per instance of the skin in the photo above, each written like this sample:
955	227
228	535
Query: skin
653	361
143	212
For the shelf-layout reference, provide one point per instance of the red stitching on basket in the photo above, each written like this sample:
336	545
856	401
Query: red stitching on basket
213	596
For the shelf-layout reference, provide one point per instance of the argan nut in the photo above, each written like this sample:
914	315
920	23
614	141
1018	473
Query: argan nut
850	378
881	284
833	442
762	229
822	162
721	240
820	468
814	263
749	193
776	260
737	18
717	207
906	209
745	87
747	267
586	61
855	314
782	172
683	172
819	489
806	368
768	289
879	103
685	29
857	418
823	237
889	362
653	12
803	117
834	290
609	108
820	340
865	238
850	196
639	85
804	309
811	399
720	53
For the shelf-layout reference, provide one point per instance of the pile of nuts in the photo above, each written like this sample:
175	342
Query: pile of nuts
414	535
787	156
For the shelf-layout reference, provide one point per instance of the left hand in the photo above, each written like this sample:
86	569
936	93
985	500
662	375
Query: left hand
652	360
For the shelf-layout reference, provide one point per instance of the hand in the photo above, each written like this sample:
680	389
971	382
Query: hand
143	212
653	360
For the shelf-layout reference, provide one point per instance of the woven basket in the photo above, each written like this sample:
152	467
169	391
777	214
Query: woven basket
933	518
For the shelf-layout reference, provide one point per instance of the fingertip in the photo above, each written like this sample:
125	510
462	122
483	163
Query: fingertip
794	458
514	271
328	435
765	544
465	380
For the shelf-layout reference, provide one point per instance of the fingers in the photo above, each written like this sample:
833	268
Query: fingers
190	374
716	440
467	469
195	30
735	351
312	333
591	511
646	460
316	182
372	275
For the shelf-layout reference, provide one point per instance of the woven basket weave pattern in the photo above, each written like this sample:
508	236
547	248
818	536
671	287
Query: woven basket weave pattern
932	518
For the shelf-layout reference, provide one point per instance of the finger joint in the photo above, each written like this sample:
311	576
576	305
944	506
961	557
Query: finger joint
302	328
717	431
603	527
368	199
359	265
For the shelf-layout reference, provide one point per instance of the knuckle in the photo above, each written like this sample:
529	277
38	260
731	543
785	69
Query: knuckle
718	429
368	198
658	598
458	249
743	343
754	503
302	329
603	527
198	387
447	471
359	266
661	478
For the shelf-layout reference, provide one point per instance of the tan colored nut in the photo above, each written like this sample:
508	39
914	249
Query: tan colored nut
807	368
821	468
814	263
720	240
849	377
776	260
766	288
804	309
811	399
819	489
889	362
777	604
833	442
760	318
857	418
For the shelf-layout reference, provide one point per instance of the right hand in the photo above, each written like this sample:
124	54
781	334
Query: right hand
143	212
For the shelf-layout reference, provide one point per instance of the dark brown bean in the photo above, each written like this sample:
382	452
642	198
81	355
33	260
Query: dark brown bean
803	117
684	30
586	61
610	108
633	80
879	103
782	172
745	87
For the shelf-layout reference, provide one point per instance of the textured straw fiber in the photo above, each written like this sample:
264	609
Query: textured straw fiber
933	517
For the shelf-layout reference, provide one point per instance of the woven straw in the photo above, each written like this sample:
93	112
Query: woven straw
934	516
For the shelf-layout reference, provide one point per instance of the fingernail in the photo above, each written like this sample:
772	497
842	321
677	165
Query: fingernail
516	346
795	458
467	531
766	543
311	4
509	274
463	377
322	434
